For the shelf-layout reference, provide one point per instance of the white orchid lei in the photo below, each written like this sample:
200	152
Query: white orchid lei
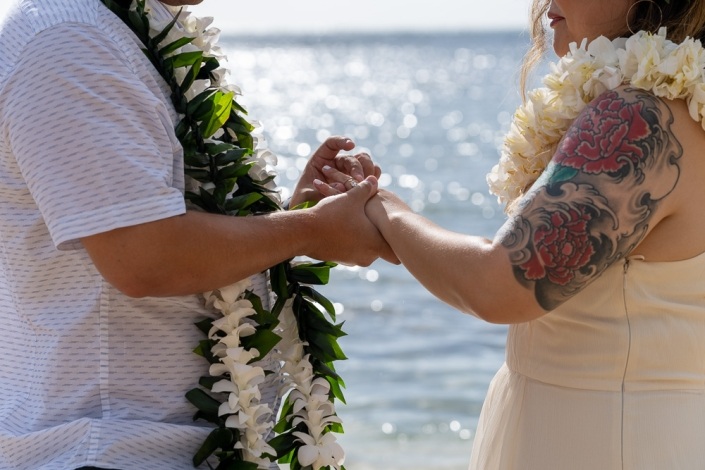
645	61
229	167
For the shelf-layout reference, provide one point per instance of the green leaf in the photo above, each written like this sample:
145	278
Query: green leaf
216	149
267	180
209	418
156	40
171	47
196	159
222	189
204	176
249	185
199	107
324	347
210	64
202	401
327	369
280	286
263	340
223	104
119	7
139	24
336	388
316	321
195	199
190	78
209	202
563	173
304	205
336	427
218	438
242	129
233	171
184	59
311	275
287	458
320	264
205	325
283	444
182	129
208	382
263	317
284	412
204	349
232	156
319	299
238	203
240	108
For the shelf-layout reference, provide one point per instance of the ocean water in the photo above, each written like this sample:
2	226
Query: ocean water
432	110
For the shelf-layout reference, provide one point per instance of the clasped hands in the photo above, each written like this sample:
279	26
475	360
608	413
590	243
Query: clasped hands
349	207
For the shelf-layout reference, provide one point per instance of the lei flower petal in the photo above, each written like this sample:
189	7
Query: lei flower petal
646	61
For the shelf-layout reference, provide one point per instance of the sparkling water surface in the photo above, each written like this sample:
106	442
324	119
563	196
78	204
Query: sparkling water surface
432	111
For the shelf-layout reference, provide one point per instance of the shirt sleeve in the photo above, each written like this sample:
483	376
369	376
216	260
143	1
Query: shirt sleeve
94	143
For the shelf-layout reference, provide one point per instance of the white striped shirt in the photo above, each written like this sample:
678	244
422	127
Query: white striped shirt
88	376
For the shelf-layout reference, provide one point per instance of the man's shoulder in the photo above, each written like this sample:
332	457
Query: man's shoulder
26	19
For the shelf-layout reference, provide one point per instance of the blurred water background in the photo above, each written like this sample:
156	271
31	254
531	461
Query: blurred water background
432	110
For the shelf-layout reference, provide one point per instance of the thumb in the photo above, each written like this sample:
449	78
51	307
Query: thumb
332	146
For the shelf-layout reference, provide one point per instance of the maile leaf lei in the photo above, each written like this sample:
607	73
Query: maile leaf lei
221	155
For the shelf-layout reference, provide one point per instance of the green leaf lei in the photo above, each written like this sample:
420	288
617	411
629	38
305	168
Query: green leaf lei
222	164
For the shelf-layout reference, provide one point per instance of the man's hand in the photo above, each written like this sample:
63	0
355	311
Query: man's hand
355	168
346	233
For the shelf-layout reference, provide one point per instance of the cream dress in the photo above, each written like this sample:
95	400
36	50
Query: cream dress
614	379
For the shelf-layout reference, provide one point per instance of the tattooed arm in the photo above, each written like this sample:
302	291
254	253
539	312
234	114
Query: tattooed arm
599	197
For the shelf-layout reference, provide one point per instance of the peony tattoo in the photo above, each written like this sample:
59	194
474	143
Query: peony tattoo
609	137
593	204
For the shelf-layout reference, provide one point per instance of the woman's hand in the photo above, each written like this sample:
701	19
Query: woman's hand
382	208
354	168
350	236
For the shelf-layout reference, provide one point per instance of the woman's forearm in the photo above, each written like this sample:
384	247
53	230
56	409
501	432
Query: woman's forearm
470	273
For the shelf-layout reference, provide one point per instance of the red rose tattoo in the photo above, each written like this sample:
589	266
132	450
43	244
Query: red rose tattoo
608	136
622	160
562	247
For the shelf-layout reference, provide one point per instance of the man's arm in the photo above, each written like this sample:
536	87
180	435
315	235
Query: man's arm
197	252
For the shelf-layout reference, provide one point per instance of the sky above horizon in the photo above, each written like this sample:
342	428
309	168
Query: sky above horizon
326	16
285	16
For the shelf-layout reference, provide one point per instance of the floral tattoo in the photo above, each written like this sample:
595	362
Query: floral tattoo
593	203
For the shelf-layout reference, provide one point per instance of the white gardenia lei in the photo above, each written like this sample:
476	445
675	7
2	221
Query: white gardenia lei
646	61
309	396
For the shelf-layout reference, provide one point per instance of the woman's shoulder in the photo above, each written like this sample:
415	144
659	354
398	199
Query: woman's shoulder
679	143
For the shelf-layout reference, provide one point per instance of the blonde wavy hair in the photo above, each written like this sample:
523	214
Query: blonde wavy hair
682	18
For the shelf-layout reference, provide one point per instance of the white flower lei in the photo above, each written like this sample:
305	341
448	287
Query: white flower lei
646	61
309	400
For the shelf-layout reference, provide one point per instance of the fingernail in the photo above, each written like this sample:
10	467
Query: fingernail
317	182
326	168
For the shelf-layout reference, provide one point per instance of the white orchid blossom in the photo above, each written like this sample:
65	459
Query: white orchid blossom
309	399
243	408
645	61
